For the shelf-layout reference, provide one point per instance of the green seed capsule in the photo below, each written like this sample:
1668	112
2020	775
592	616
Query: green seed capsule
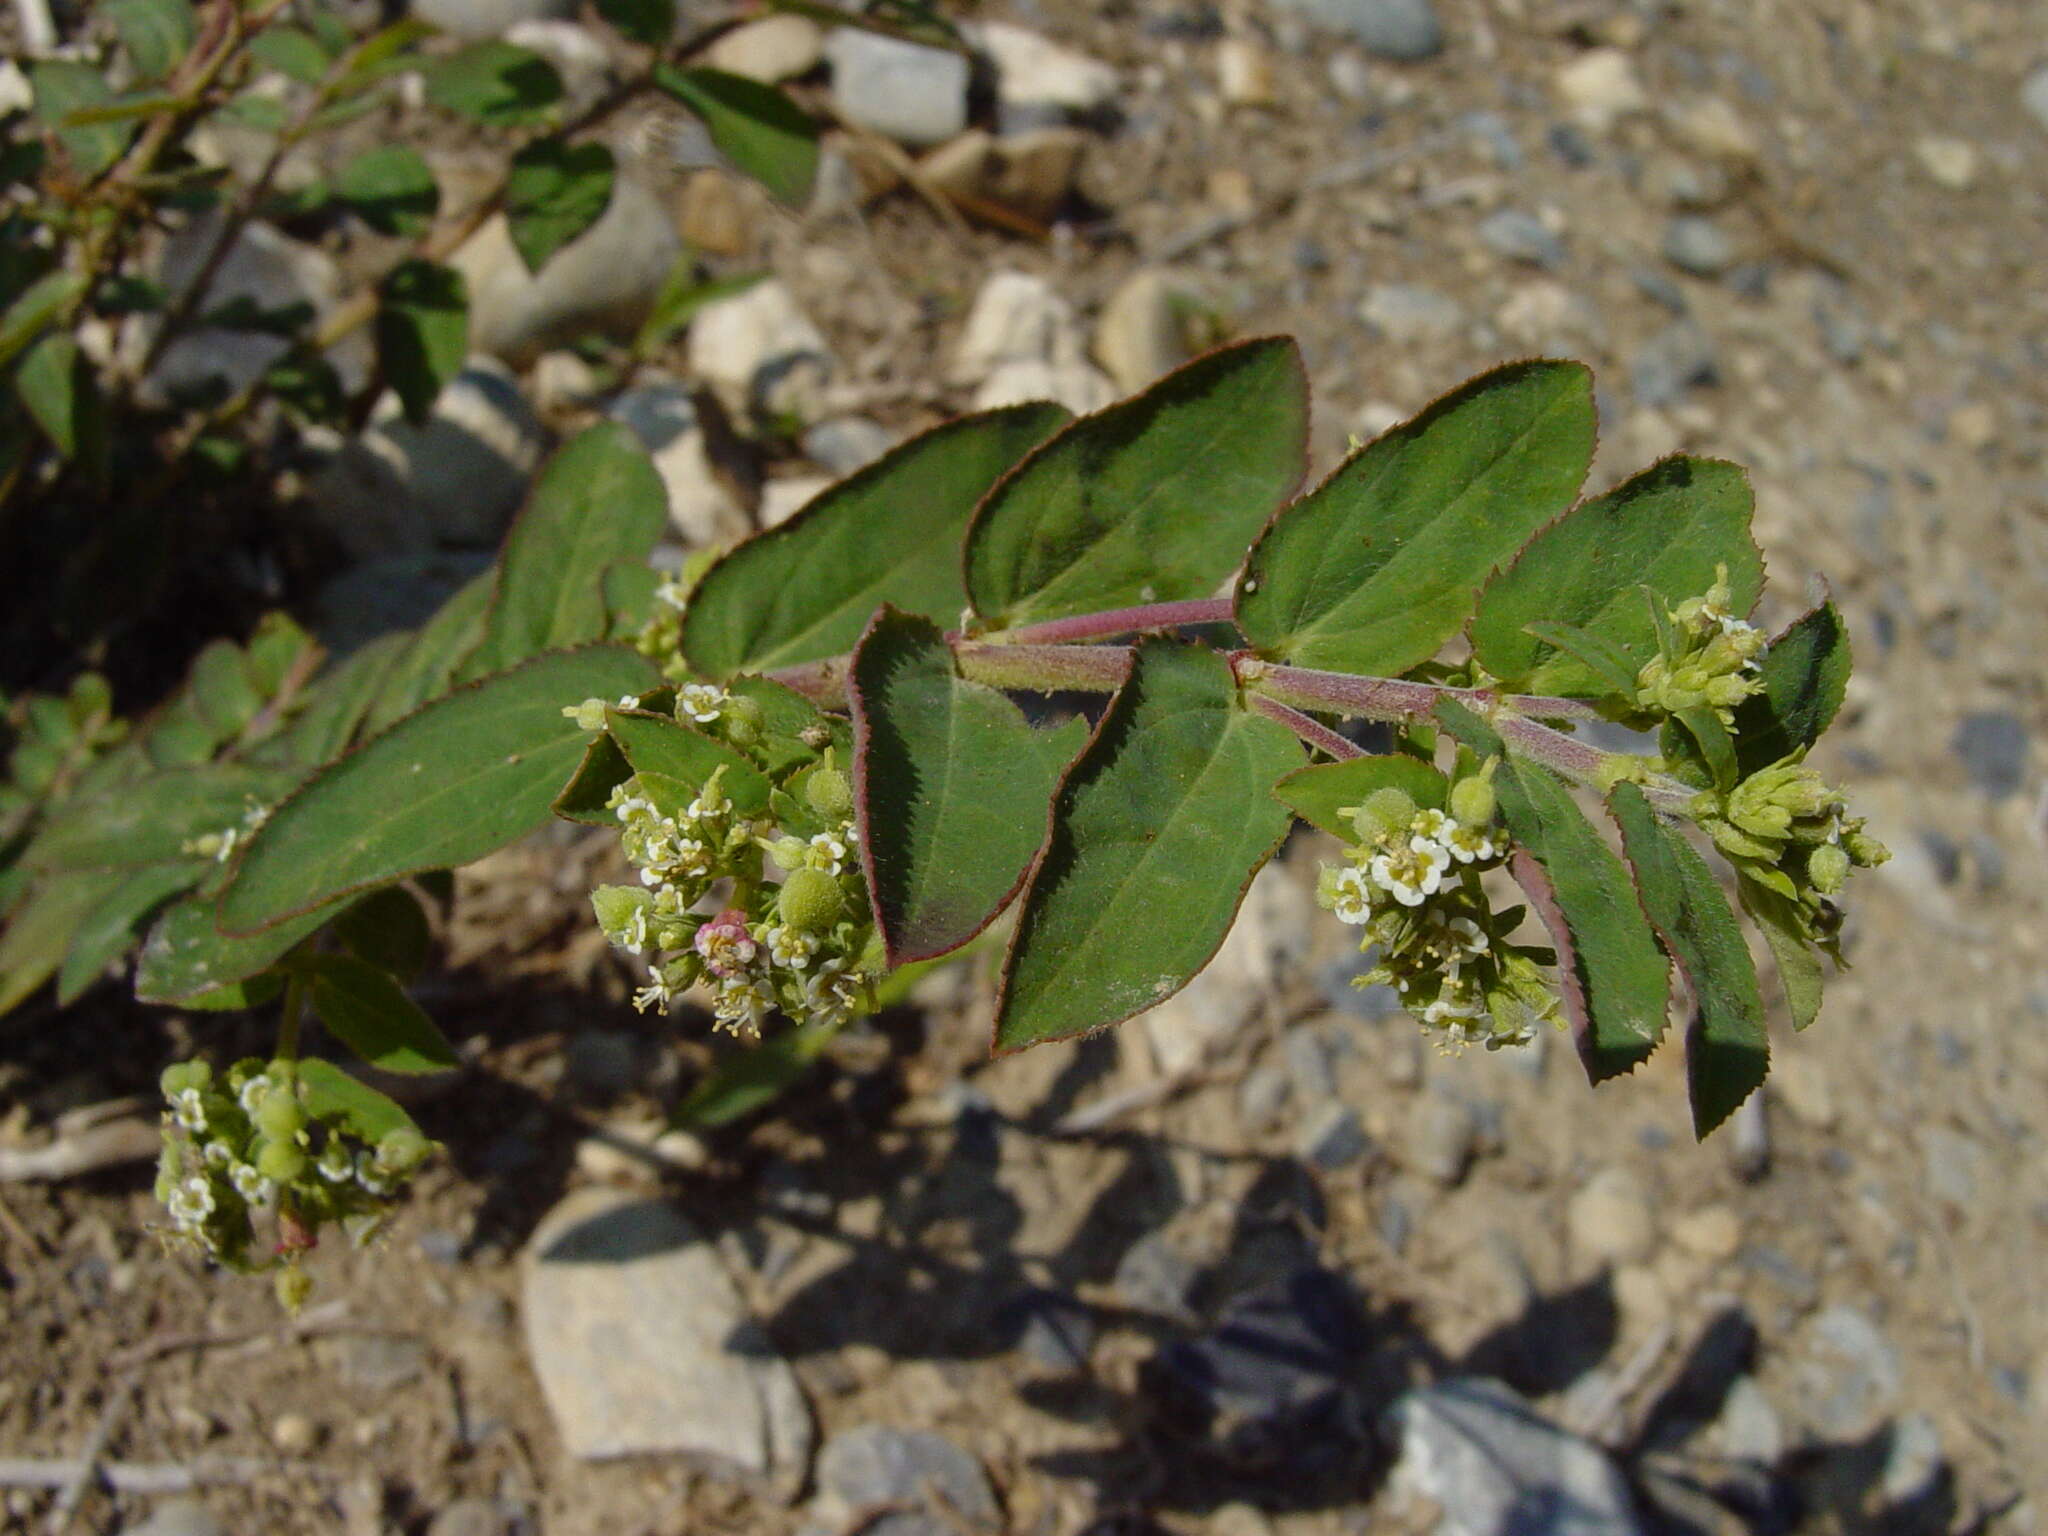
1472	802
294	1288
403	1149
809	901
280	1116
1826	868
282	1161
829	793
1386	813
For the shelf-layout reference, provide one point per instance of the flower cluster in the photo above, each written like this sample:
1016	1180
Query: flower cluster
765	913
243	1148
1413	883
1711	661
220	846
1784	829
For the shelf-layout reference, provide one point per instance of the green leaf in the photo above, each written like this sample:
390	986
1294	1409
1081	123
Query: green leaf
652	22
389	930
385	51
954	788
422	332
368	1011
1667	529
292	53
427	666
786	718
55	381
64	87
496	84
598	501
1716	746
756	127
1157	830
149	822
1323	793
1605	662
236	996
110	931
682	295
331	1094
1805	674
1615	983
186	957
603	769
1727	1053
629	598
156	33
1799	969
1151	500
41	926
222	690
337	702
309	386
555	192
39	304
662	746
1377	567
464	776
888	533
390	189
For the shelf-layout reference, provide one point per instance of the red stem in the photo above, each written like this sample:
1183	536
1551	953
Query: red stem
1316	734
1119	621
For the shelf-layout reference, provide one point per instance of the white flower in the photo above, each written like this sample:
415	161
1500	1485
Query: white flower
1413	874
634	807
1433	824
629	701
831	992
191	1202
335	1166
658	993
700	701
633	938
712	800
1471	938
188	1109
827	852
1350	895
1450	1005
217	1153
1470	844
254	1092
741	1004
788	948
672	592
369	1176
250	1184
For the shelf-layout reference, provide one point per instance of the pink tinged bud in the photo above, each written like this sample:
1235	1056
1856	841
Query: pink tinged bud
724	943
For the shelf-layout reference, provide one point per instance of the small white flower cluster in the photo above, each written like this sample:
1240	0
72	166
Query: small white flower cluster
797	945
239	1150
1412	883
220	846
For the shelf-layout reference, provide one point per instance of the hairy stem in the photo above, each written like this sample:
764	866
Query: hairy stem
1117	621
1314	732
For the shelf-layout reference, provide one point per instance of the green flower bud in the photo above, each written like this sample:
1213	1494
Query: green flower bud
403	1150
809	901
1865	851
1472	802
589	715
617	906
282	1161
788	852
280	1117
743	720
181	1075
829	793
294	1288
1386	813
1826	868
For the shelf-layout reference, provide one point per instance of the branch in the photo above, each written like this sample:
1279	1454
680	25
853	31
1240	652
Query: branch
1316	734
1117	621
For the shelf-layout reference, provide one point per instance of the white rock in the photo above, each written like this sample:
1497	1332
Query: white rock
904	91
775	48
762	353
16	95
578	56
1610	1222
783	499
700	506
1016	317
846	443
606	279
1403	312
1032	172
1140	335
1713	126
1244	73
1035	72
1077	385
1600	87
563	381
1950	162
476	19
642	1344
263	267
455	479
